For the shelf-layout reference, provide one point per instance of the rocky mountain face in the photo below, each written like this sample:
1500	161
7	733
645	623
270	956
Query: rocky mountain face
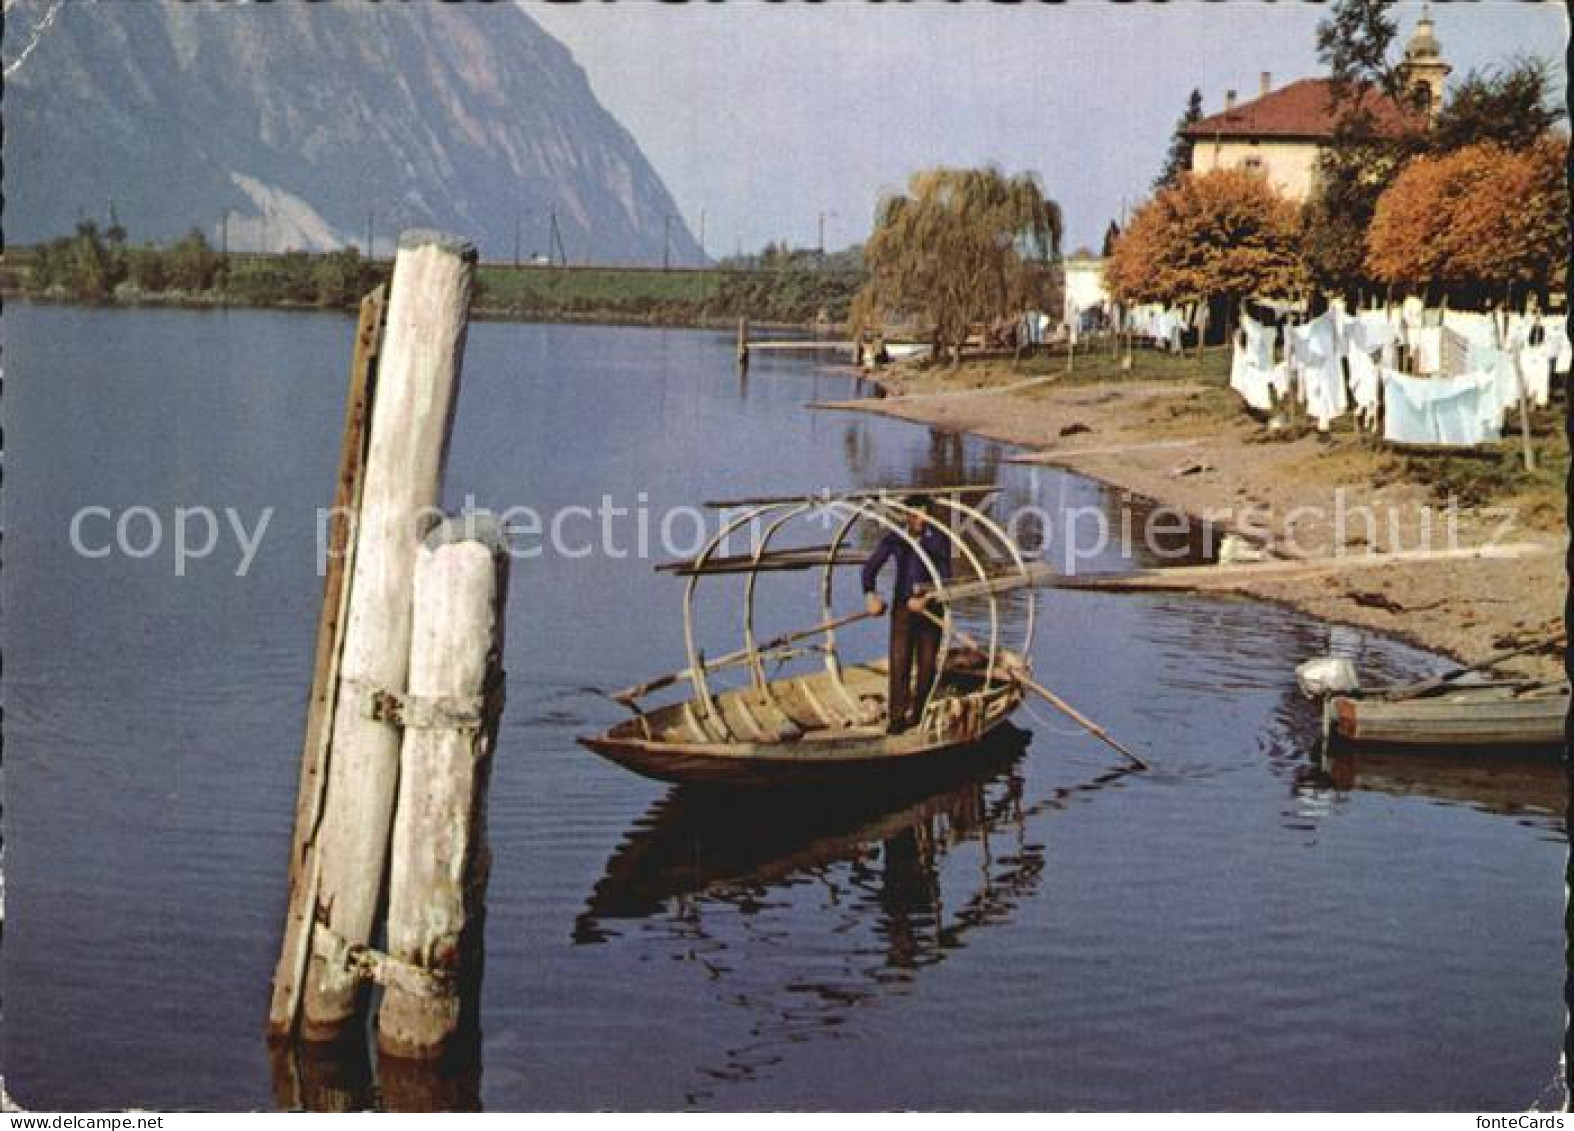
301	124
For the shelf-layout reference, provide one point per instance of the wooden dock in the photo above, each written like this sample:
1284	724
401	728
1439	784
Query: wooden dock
767	345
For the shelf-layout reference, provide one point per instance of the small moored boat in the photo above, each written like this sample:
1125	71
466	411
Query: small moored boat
1465	718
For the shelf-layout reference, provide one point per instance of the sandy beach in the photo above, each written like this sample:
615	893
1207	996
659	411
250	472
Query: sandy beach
1185	443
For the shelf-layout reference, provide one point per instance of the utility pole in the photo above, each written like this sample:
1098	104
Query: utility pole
822	235
666	243
555	245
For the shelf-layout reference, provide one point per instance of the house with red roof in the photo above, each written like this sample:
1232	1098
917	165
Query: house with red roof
1281	132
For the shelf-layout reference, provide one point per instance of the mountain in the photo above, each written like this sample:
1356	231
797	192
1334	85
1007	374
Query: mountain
304	119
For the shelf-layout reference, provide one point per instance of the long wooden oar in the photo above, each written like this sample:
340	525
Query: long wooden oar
1439	682
732	659
1051	698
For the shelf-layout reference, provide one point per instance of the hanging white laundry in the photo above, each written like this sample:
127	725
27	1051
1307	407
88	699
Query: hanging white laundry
1252	373
1344	321
1365	387
1468	410
1258	341
1559	349
1407	417
1535	366
1500	365
1412	313
1322	377
1453	411
1370	331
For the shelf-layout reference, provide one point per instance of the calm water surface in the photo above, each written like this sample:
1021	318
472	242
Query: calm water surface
1228	931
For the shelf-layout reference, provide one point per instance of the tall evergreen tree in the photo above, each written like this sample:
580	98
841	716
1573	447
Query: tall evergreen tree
1178	160
1111	235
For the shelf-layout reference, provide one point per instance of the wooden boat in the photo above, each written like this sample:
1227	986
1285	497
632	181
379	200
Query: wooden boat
829	723
1462	719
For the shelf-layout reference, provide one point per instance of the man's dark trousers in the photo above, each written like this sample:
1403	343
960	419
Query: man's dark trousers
915	643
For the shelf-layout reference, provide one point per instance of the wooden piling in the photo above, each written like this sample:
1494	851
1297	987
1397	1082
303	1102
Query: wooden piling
743	342
304	875
417	384
438	863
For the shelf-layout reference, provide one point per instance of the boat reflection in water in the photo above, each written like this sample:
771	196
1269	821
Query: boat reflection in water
728	845
853	874
1512	785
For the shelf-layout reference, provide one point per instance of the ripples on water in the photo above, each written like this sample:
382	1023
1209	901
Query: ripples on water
1239	928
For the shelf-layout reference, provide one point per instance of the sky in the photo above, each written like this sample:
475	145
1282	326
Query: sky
763	116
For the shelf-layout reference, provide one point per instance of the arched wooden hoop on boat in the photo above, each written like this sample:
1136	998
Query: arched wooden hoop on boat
771	516
999	533
756	663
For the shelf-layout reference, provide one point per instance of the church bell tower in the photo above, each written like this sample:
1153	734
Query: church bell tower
1423	68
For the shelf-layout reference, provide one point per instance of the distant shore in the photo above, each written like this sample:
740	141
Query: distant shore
480	313
1171	431
795	291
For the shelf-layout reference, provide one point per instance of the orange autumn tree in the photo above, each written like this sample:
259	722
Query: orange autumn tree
1223	234
1482	224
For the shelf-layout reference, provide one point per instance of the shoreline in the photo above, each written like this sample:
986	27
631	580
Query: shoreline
1184	444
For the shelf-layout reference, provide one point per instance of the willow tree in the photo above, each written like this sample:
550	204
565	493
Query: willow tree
959	247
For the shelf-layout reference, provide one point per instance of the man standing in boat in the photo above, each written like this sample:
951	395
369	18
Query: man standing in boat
915	636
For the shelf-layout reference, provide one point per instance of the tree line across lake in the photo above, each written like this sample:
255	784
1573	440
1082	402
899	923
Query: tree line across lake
99	265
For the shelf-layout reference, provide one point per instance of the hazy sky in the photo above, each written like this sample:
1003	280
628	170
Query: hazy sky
764	115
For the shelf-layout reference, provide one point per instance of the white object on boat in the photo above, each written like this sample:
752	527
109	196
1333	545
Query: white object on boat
1327	675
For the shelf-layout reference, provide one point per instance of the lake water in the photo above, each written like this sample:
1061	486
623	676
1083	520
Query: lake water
1228	931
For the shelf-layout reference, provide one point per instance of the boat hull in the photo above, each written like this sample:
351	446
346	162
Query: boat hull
816	763
806	730
1458	722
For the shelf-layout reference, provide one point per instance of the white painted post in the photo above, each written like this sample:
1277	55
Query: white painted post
417	385
437	874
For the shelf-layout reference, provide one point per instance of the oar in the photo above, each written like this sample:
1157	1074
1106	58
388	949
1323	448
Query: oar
629	695
1050	697
1426	686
